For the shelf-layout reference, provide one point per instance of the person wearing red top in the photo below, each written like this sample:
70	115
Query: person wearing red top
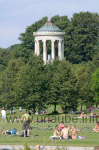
61	126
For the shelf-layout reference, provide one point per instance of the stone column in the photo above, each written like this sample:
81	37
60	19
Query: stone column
53	50
63	49
38	48
44	52
35	47
60	50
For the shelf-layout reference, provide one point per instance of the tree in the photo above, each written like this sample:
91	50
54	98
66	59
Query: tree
95	85
84	82
15	51
54	87
64	87
82	37
61	21
96	60
8	83
31	85
4	59
68	87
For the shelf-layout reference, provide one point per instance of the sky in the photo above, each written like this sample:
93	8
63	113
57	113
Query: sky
16	15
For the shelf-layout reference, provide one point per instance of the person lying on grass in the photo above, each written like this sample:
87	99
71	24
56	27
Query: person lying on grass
43	120
4	131
96	129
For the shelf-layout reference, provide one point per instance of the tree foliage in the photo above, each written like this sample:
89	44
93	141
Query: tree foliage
64	87
31	84
84	83
82	37
8	83
95	85
26	81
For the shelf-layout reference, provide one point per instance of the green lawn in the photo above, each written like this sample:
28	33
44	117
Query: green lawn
42	136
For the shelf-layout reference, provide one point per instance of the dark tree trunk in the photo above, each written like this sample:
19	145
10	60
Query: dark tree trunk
81	107
65	109
96	105
86	106
55	107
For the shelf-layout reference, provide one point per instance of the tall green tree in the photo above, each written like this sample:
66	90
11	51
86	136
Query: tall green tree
8	83
53	85
4	59
68	87
82	37
15	51
64	87
31	85
95	85
84	82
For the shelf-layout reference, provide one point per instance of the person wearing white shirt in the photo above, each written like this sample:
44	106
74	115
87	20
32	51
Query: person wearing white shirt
20	109
3	112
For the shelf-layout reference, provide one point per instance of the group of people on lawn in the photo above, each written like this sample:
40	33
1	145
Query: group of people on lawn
26	124
62	132
92	115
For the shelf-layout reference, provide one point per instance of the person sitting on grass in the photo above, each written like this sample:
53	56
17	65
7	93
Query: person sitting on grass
82	115
61	126
56	132
74	132
3	131
96	129
92	115
65	132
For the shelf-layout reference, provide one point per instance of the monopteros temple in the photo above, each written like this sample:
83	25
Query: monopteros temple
52	33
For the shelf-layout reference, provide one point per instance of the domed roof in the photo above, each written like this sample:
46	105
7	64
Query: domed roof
49	27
